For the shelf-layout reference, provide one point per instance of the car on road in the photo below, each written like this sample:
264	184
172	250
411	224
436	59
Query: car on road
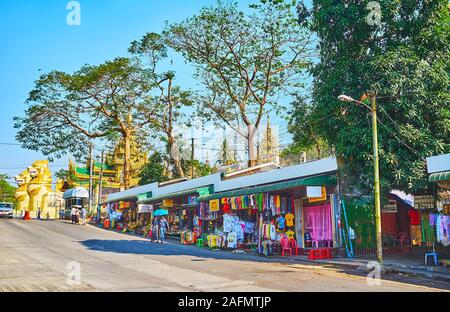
6	210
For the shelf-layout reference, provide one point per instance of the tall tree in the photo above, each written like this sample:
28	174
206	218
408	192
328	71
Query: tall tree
244	61
6	190
154	170
306	129
150	52
398	50
101	101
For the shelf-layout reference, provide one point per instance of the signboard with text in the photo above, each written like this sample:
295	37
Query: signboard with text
214	205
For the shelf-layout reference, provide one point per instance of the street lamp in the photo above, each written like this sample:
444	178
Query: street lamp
373	109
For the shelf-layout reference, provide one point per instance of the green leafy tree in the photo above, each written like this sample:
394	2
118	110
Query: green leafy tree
6	190
150	51
154	170
399	53
244	62
106	101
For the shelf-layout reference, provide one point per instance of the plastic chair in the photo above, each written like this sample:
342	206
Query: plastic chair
284	244
293	245
314	254
432	254
201	241
400	239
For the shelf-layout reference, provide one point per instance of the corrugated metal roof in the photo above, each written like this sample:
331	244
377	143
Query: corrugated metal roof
312	181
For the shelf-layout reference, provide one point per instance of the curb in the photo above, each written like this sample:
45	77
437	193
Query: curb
429	273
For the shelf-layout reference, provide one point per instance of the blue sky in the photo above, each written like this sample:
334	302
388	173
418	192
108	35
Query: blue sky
35	39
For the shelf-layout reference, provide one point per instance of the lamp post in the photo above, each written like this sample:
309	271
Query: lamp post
376	186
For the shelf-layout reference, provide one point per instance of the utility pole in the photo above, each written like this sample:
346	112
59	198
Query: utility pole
91	165
100	185
376	185
192	157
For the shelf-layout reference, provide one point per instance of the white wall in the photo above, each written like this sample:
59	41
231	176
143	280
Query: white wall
438	163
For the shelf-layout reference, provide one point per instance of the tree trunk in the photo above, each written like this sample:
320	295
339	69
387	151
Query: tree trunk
252	157
126	160
174	155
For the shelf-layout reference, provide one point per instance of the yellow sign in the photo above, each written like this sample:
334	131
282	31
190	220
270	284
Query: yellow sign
319	199
167	202
214	205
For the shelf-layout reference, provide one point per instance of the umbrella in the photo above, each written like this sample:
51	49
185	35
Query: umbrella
160	212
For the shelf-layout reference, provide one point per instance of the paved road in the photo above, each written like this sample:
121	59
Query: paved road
34	257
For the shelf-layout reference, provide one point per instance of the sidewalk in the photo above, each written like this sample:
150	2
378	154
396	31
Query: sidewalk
392	264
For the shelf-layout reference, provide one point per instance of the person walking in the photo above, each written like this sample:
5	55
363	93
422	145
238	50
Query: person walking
155	229
39	213
163	227
77	216
72	215
83	216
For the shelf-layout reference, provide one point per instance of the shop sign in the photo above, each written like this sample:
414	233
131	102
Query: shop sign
145	208
204	191
167	202
192	200
390	207
214	205
316	193
423	201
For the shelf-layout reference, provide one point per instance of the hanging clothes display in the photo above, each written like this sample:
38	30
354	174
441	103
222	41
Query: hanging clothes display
442	229
427	230
414	217
318	222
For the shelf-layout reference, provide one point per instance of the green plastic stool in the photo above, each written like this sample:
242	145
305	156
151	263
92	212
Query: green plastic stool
199	242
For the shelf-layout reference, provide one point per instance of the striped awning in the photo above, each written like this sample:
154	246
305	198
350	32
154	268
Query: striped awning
312	181
439	176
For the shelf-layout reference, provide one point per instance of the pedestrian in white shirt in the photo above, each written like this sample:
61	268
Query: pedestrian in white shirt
73	215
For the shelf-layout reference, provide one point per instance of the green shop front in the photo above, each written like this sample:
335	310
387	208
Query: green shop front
296	215
183	211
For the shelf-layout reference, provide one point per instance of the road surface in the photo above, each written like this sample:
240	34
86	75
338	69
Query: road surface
43	256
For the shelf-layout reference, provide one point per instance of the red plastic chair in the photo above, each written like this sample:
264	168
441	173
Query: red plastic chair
284	244
314	254
400	239
293	245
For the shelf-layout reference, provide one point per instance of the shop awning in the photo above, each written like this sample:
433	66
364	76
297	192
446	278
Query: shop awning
439	176
312	181
77	192
202	191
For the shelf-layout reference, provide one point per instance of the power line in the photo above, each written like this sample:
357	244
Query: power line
12	144
398	139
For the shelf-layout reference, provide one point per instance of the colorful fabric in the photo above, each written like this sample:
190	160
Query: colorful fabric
281	223
414	217
442	229
289	220
318	222
284	204
428	234
433	219
249	227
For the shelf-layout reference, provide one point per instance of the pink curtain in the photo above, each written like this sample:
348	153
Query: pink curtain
318	222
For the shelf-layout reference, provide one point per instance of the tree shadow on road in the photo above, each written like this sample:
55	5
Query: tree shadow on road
145	247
